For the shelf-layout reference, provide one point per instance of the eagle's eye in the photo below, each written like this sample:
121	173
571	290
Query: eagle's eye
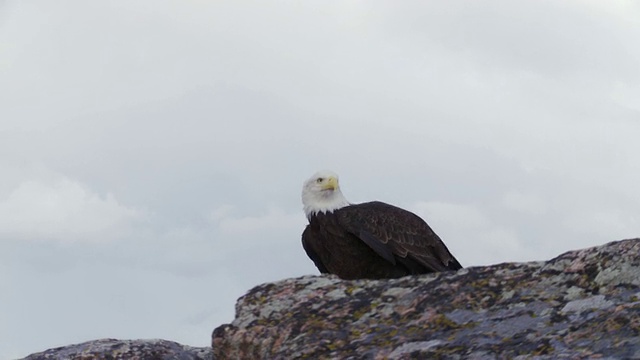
319	180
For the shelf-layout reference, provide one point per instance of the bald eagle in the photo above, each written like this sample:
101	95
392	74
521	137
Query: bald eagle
371	240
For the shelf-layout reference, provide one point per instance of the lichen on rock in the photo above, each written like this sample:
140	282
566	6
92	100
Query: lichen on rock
582	304
114	349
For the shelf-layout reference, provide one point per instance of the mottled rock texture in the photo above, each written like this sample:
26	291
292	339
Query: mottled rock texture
581	305
113	349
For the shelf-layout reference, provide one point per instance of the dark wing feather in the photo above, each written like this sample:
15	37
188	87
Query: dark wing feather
379	247
309	241
391	229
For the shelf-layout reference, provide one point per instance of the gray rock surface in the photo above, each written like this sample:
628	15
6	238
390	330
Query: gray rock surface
581	305
113	349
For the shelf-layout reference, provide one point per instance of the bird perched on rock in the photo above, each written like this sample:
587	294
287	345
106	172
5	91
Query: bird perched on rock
372	240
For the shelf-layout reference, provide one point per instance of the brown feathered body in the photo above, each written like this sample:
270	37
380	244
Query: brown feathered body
374	240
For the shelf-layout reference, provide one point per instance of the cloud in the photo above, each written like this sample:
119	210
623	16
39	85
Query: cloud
526	203
467	216
63	210
274	220
605	223
627	95
472	237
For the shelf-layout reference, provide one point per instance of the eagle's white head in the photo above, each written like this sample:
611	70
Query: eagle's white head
321	193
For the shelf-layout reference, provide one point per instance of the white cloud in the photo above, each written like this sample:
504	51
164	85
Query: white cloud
627	95
470	235
526	203
63	210
605	223
221	212
275	219
454	215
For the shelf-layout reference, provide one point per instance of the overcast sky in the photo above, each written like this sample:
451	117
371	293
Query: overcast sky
152	153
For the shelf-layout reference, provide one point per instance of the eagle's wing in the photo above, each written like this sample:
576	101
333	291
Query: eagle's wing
309	241
397	235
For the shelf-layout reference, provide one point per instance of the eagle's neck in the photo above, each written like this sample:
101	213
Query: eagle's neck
325	202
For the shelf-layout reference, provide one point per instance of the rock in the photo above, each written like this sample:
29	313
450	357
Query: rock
582	304
113	349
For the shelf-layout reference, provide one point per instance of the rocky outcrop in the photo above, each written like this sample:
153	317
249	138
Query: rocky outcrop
113	349
582	304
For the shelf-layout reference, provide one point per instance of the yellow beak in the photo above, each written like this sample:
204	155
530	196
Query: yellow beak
332	184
